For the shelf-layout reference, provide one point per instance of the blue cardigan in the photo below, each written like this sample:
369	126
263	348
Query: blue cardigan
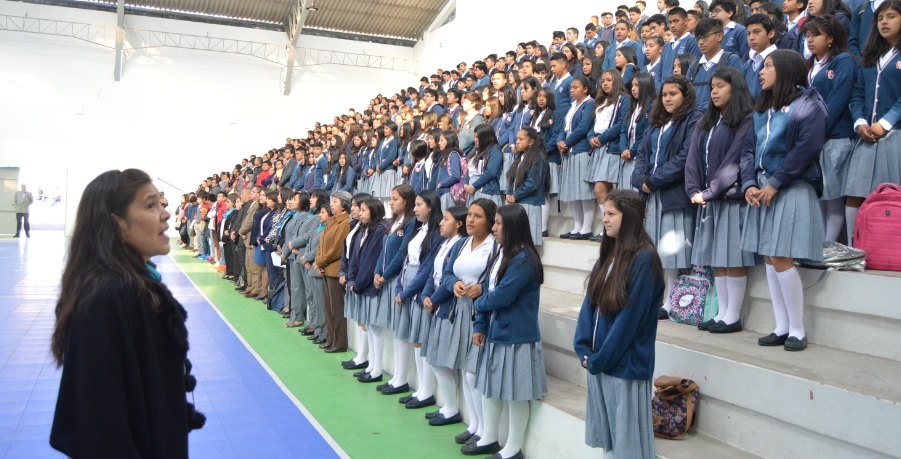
521	119
611	136
582	122
442	180
736	42
394	250
622	344
864	96
441	297
509	313
551	134
426	269
347	255
387	153
361	267
610	54
668	56
714	173
640	127
319	172
834	84
563	99
418	177
532	191
489	182
861	23
701	76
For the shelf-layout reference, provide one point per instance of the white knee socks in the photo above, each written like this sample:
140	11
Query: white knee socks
363	346
492	409
402	354
793	293
670	276
417	360
426	386
518	420
447	386
779	311
601	208
578	216
736	287
545	212
587	216
851	220
473	403
722	297
377	351
833	217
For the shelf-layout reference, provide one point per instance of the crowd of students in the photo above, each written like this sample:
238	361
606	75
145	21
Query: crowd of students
711	136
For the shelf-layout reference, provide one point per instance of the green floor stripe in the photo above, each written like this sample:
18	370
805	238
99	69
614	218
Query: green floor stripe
363	422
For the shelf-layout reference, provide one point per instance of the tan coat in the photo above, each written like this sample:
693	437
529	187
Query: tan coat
247	223
331	245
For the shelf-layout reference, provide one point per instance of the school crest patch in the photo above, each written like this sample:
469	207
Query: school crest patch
831	74
898	65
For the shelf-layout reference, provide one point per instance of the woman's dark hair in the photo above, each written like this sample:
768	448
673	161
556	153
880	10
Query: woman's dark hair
490	209
609	292
517	238
391	125
342	171
876	45
774	11
647	92
453	145
583	80
321	199
405	135
659	115
406	193
487	138
791	77
544	123
436	153
459	214
355	149
830	27
99	258
595	74
832	8
740	105
509	98
685	62
431	200
303	201
532	82
535	156
572	62
360	197
418	150
631	56
376	213
272	196
602	100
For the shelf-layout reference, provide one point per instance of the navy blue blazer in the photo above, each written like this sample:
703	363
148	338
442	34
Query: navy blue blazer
361	268
387	153
394	250
521	119
346	255
563	99
319	172
639	128
551	134
582	122
442	179
611	136
669	178
489	181
424	275
722	181
441	297
668	56
509	313
418	177
865	91
532	191
834	84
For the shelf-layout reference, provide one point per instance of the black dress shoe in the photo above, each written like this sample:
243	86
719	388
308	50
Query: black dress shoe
311	337
794	344
351	365
335	350
382	386
406	398
360	373
240	289
596	237
325	345
391	390
580	236
662	314
441	420
518	455
304	332
722	327
544	233
475	439
432	414
772	340
703	326
368	378
319	341
474	449
415	403
567	235
464	437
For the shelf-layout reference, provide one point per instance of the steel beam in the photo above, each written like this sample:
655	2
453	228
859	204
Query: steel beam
120	39
293	27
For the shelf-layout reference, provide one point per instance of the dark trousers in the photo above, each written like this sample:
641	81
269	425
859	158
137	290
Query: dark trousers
240	268
334	313
19	223
228	247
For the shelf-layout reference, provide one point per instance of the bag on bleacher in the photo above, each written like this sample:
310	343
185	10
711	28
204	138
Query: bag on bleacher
693	299
878	228
839	257
673	406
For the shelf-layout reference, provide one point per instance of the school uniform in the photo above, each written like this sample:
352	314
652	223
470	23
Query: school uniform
412	283
711	169
348	182
620	362
390	265
660	163
783	153
485	176
351	250
861	23
445	177
550	145
418	177
655	69
610	54
319	179
441	300
876	99
630	139
531	196
785	40
563	99
360	276
735	40
834	82
606	162
702	71
383	159
751	70
468	133
687	44
364	185
511	364
628	74
573	180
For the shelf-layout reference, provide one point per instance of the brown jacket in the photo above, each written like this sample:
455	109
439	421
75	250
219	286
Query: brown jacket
331	245
247	223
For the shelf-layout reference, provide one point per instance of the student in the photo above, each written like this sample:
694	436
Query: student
617	329
817	8
528	180
710	34
653	49
375	316
353	309
420	257
761	33
548	122
780	177
448	168
622	32
692	18
830	72
683	42
611	106
626	63
437	301
660	174
861	25
472	103
794	14
572	143
712	182
683	61
511	363
382	170
643	94
387	275
735	39
343	175
484	167
876	109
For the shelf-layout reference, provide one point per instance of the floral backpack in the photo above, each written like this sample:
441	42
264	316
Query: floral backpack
457	191
693	298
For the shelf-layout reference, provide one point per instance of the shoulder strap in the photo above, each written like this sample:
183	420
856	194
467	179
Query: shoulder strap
724	59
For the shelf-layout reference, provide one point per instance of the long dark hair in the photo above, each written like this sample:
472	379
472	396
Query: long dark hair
791	77
406	193
436	153
376	213
545	122
876	44
322	199
453	145
609	293
647	92
99	257
490	209
532	82
535	156
740	105
459	214
659	115
602	100
487	138
430	198
830	27
517	237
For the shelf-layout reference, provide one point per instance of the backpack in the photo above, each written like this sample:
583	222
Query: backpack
693	298
693	70
878	230
673	406
457	191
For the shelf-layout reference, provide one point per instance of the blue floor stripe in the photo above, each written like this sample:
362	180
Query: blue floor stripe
248	415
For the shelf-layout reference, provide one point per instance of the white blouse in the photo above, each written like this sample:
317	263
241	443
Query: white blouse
438	271
414	248
471	264
492	277
603	117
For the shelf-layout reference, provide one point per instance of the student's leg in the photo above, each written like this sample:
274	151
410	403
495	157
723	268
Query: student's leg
492	409
473	403
587	216
737	283
578	215
447	387
793	293
722	293
517	420
833	212
362	344
852	206
378	346
779	309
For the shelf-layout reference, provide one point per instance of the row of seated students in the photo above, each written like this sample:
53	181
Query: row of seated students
731	169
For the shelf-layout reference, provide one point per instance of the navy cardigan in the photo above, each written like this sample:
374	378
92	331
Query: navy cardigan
611	136
346	255
622	344
722	158
394	250
532	191
582	122
509	313
361	267
426	269
640	127
387	153
834	84
488	182
669	178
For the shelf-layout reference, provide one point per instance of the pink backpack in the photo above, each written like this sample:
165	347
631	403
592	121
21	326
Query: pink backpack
878	229
457	191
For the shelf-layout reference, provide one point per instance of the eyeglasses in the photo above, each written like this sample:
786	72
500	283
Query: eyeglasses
716	11
704	37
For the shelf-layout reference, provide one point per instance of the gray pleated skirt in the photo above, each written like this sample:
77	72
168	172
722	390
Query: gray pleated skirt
574	178
618	416
604	167
364	185
873	164
351	305
512	371
554	171
479	195
672	231
450	344
534	214
717	241
402	320
508	161
382	184
834	165
447	201
625	175
792	226
380	308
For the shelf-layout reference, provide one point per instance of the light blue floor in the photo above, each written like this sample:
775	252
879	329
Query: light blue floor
247	413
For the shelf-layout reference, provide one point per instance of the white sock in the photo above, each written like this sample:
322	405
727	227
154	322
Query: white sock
793	292
394	368
545	213
736	287
779	311
473	403
378	349
518	420
492	409
601	208
670	276
576	207
417	360
447	386
402	359
370	336
428	382
588	216
851	220
833	217
722	297
363	342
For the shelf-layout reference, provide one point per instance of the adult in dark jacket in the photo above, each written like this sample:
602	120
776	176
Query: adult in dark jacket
120	334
